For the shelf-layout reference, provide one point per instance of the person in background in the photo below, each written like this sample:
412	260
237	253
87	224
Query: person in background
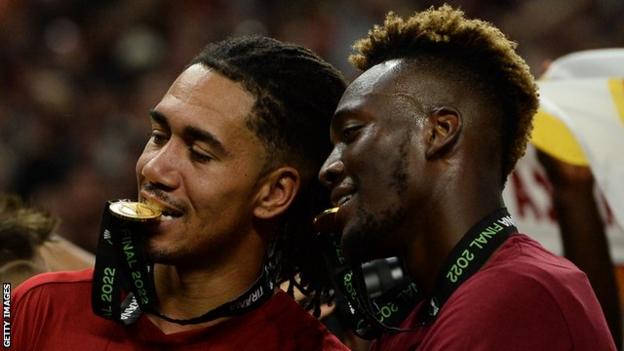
577	135
583	233
29	245
234	149
423	141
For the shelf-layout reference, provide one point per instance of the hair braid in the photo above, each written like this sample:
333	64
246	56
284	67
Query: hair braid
296	94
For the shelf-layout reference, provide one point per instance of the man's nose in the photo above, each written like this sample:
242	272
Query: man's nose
332	170
163	168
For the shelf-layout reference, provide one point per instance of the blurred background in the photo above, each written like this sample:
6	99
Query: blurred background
78	77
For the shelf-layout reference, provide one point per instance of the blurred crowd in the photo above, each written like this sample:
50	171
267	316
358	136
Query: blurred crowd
77	77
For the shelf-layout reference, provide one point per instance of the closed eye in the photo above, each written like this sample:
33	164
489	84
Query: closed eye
199	155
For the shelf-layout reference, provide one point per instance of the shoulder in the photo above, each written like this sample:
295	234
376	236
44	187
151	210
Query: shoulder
524	298
53	283
54	278
43	303
51	294
522	263
47	292
523	273
528	295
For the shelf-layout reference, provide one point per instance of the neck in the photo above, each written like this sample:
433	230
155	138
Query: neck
442	226
186	292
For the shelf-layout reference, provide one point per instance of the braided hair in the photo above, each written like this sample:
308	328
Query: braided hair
296	93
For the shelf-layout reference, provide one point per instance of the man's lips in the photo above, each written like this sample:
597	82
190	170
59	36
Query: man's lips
169	211
341	194
343	191
342	200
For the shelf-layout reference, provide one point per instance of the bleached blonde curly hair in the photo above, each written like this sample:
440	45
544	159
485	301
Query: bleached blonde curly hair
474	45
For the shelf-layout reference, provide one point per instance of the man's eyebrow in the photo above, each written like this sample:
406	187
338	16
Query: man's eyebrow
343	114
191	133
196	134
159	118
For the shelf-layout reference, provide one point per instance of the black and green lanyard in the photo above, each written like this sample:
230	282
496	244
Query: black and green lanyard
122	270
370	317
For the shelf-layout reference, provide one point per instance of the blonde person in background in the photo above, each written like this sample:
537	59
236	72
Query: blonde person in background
29	246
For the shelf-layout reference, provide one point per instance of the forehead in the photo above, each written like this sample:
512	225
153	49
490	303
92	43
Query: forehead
200	90
203	101
383	86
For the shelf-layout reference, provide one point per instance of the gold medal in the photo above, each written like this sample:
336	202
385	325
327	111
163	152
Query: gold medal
134	211
325	222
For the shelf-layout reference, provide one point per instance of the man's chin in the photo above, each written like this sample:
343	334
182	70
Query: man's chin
371	238
158	255
171	256
360	246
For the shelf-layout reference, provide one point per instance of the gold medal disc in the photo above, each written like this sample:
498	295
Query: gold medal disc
325	222
134	211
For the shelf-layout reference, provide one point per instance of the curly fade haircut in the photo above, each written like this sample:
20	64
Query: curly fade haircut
479	50
296	93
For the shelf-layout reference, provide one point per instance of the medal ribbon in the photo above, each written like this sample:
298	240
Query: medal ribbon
123	270
371	317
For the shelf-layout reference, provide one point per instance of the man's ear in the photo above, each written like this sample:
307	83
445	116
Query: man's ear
276	193
444	127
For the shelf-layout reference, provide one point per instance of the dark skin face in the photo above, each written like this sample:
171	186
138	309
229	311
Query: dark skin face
371	169
403	169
